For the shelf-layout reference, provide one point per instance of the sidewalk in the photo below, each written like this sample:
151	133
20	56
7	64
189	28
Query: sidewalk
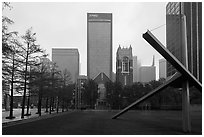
17	115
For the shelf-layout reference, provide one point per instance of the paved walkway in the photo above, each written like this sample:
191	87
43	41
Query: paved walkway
100	123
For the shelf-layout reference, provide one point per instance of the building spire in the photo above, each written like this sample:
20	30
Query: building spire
153	61
118	48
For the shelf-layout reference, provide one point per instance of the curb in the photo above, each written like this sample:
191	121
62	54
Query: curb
22	121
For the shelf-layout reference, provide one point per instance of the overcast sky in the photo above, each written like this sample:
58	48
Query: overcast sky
64	24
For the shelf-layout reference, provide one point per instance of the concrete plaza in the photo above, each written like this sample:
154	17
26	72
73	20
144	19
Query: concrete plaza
92	122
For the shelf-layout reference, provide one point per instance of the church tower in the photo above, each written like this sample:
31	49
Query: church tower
124	66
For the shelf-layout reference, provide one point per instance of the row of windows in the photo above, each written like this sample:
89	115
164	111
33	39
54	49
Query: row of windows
171	5
173	8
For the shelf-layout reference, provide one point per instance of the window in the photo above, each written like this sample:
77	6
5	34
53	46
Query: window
125	65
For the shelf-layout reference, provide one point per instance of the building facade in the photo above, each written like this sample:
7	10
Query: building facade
101	80
124	66
136	66
67	59
147	73
162	68
99	44
193	13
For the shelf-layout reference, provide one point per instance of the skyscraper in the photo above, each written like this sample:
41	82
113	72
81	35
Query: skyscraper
124	66
193	13
147	73
162	68
99	44
67	58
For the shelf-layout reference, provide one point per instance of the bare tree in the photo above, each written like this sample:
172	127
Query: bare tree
39	79
12	67
31	52
65	82
7	50
54	80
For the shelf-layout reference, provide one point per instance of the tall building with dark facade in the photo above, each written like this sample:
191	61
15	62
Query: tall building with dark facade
99	44
193	13
67	58
124	66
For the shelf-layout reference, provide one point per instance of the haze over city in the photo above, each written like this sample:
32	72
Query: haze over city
64	24
103	62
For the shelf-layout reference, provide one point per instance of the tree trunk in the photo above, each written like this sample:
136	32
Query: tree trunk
39	105
53	101
40	100
11	98
57	104
46	105
63	105
50	104
24	92
28	104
